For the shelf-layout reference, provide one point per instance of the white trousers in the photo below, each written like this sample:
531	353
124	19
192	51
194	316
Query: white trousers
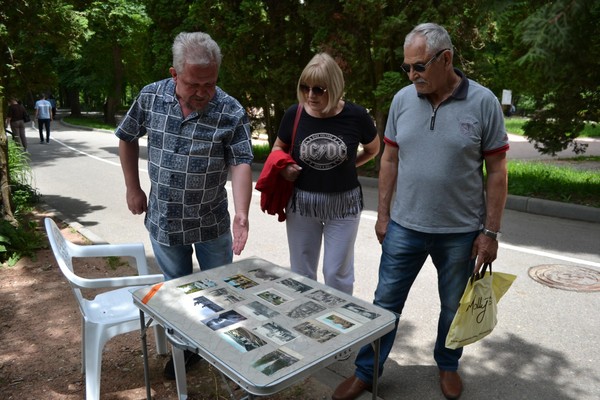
305	235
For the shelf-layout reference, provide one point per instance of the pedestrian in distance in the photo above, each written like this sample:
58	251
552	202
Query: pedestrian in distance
52	101
197	134
333	137
442	130
43	114
15	118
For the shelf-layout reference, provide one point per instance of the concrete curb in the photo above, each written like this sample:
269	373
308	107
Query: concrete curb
553	208
83	128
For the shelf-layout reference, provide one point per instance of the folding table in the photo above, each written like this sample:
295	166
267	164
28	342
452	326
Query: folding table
261	325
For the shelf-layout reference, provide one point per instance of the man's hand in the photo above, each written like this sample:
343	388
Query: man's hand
381	228
240	233
137	201
485	250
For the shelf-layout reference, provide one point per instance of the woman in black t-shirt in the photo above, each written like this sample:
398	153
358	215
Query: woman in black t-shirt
327	199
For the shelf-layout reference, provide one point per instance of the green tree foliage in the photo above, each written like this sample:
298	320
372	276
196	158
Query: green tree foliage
552	50
167	18
114	54
265	46
31	35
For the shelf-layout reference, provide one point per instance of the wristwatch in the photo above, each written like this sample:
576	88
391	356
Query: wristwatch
491	234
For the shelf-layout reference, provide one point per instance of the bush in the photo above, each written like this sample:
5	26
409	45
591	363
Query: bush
20	239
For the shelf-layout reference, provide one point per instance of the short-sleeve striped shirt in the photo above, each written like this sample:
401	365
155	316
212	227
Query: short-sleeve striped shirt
188	161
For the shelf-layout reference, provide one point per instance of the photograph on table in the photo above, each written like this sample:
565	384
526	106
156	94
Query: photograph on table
240	282
197	286
339	322
295	285
274	361
358	312
275	332
316	331
274	297
242	339
305	310
223	320
206	307
258	310
328	299
263	275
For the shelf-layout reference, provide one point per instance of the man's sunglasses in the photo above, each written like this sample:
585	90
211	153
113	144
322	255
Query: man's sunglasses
317	90
421	67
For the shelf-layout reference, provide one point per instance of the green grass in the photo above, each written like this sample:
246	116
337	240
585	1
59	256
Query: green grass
557	183
515	125
90	122
261	152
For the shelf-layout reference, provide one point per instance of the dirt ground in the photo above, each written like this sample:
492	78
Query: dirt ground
40	342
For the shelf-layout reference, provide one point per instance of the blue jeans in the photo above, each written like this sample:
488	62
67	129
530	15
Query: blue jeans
404	252
176	261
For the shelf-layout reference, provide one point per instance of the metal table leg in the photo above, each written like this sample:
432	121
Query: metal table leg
143	329
376	345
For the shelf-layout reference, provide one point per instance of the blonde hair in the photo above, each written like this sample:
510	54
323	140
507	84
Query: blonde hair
322	70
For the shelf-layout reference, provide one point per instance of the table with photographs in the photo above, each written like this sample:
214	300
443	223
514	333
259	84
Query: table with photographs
261	325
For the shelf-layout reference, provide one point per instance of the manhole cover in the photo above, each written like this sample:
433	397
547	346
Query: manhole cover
578	279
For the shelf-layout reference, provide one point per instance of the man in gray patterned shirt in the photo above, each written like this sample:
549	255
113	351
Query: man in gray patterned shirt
196	134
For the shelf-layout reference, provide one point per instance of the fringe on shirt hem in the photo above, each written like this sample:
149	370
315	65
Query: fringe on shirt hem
328	205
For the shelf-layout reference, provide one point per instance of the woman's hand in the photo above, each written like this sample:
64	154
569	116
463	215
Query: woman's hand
291	172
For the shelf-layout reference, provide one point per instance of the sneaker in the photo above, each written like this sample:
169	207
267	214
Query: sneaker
190	358
41	142
48	141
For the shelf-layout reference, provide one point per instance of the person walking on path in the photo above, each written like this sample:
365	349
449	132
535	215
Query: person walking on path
197	134
52	101
43	114
327	198
441	131
16	120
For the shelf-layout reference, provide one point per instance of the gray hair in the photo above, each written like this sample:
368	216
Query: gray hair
196	48
436	37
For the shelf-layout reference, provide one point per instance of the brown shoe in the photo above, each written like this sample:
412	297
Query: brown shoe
451	384
350	389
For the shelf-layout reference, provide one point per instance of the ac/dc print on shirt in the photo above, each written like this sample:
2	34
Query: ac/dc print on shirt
323	151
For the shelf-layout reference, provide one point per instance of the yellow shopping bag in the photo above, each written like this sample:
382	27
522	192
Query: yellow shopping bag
477	312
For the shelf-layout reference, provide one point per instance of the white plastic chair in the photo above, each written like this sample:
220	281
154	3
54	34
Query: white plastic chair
110	313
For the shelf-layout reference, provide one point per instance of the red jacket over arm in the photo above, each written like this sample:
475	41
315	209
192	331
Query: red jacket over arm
275	190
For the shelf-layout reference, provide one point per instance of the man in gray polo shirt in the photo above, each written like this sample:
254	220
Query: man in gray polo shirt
441	131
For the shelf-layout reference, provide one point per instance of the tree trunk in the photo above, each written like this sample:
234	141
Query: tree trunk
73	102
114	100
6	208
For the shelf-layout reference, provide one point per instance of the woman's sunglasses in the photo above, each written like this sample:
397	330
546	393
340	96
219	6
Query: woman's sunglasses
317	90
421	67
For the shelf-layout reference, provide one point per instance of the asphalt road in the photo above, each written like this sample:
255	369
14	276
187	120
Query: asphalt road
546	344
